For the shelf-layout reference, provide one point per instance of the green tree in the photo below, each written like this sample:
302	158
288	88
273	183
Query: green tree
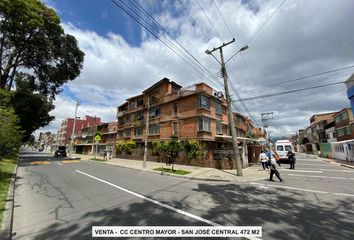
161	148
37	58
10	135
31	108
32	40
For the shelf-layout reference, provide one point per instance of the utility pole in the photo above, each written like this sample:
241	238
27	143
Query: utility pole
236	153
93	133
146	131
265	118
74	126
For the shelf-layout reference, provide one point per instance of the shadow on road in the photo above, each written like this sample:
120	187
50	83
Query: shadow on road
282	214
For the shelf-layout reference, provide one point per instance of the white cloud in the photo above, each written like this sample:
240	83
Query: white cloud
302	38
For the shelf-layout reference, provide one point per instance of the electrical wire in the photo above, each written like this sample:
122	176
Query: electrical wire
152	30
292	91
307	77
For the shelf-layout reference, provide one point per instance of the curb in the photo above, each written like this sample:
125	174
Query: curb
8	218
168	174
347	166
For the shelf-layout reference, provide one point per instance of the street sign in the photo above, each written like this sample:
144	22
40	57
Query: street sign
98	138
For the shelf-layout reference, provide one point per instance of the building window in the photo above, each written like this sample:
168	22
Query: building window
154	112
204	102
138	131
132	105
344	116
337	119
127	132
139	116
174	109
218	127
174	128
204	124
154	129
347	130
340	132
218	109
140	102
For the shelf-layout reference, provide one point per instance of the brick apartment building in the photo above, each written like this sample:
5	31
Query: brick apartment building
67	125
194	112
344	124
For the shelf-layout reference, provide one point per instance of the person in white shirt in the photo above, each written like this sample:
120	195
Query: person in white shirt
263	157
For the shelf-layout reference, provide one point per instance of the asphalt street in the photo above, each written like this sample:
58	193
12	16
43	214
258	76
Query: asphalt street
56	199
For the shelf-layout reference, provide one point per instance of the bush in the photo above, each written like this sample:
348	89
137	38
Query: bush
10	135
192	148
125	147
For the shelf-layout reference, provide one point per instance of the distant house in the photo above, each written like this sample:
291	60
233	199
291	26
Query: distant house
344	124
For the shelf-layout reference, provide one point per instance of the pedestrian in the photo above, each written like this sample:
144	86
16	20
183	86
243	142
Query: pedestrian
269	156
263	157
276	157
291	157
274	170
110	154
105	155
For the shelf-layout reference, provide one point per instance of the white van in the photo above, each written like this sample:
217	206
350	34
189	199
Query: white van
282	147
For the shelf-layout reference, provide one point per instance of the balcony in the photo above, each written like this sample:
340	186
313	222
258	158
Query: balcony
120	114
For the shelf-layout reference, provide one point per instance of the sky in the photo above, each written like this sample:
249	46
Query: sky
288	40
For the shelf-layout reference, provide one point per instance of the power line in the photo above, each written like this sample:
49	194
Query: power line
230	82
152	30
265	22
290	91
304	77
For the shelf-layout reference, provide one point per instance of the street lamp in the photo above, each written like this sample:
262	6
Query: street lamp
228	100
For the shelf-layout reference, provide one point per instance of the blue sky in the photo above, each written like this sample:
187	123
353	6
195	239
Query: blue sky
287	40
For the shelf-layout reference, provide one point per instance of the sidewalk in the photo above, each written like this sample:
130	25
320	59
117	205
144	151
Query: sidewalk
252	173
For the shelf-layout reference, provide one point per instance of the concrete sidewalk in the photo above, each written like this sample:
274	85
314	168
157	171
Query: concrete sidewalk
252	173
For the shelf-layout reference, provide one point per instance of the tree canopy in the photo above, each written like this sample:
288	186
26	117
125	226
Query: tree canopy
36	58
32	41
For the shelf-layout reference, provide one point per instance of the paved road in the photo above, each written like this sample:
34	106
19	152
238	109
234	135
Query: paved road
63	200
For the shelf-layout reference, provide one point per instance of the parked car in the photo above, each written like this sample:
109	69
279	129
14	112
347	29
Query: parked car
61	152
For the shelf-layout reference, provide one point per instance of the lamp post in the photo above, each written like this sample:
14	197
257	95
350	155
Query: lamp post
237	159
93	131
74	126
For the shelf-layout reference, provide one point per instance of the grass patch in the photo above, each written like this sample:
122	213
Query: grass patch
7	167
98	160
169	170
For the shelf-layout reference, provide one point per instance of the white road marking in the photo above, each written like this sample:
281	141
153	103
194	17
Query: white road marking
299	175
335	170
59	163
301	189
157	202
308	160
314	164
299	170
